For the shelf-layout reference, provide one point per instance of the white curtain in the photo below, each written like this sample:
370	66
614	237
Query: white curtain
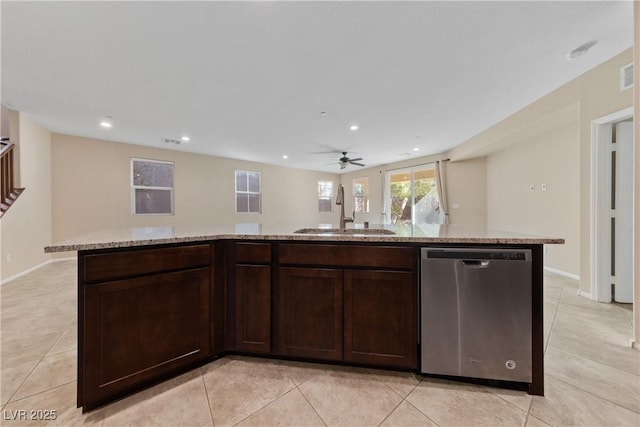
442	196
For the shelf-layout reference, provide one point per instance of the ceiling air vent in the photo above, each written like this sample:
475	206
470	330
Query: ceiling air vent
626	77
171	141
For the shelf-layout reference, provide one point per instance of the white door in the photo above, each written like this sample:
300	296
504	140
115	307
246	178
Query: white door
622	212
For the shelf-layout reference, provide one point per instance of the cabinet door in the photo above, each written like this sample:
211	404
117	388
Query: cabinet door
253	308
310	313
140	330
380	318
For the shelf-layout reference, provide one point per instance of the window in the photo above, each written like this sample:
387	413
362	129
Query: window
412	196
361	194
152	187
248	196
325	196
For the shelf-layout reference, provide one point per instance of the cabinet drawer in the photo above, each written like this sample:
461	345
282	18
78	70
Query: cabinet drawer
253	253
348	255
110	266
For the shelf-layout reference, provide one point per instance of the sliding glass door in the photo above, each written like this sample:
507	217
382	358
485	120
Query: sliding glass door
411	196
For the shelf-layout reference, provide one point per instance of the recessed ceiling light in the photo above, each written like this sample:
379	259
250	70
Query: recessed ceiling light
354	127
284	156
581	50
416	149
106	124
185	139
323	113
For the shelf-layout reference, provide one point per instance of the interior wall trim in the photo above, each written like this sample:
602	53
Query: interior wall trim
563	273
34	268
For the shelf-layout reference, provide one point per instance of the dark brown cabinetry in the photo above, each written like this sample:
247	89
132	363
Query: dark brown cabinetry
147	314
138	329
253	308
364	316
251	290
311	313
380	318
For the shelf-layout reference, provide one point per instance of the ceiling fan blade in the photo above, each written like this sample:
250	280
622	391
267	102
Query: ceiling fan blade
357	164
325	152
355	160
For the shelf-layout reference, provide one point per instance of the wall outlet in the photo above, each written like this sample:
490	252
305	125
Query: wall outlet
8	258
543	186
455	205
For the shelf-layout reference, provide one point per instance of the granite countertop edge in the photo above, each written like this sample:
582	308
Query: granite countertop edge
115	244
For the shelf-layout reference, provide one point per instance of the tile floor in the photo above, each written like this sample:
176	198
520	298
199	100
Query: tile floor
592	376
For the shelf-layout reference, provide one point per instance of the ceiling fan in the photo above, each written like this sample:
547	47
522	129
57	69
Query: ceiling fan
344	161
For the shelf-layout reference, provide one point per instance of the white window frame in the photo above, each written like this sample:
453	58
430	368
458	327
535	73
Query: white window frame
236	191
330	197
145	187
355	196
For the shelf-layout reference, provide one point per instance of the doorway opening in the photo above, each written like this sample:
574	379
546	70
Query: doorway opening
612	208
411	196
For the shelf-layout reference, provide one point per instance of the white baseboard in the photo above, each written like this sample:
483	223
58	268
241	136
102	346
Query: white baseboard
69	258
584	294
34	268
562	273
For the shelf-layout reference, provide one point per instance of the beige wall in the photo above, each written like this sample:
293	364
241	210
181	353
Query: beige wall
465	187
26	226
636	100
549	158
600	96
597	94
92	190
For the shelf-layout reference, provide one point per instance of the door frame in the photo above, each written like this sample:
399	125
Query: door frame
600	209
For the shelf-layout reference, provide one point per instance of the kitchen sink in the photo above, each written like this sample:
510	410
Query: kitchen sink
360	231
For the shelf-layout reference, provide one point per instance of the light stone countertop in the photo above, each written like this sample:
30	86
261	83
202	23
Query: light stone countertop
431	233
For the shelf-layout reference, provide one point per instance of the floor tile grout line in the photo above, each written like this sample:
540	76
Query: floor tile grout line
593	394
596	309
418	409
595	361
267	405
312	407
489	390
206	393
39	393
396	392
600	362
526	419
390	412
31	372
553	321
593	336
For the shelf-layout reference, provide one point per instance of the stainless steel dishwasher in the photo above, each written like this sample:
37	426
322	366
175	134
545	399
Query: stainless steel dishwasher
476	313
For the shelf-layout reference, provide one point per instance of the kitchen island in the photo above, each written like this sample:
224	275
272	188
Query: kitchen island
155	302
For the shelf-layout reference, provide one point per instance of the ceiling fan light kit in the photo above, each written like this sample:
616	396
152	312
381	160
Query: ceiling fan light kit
346	161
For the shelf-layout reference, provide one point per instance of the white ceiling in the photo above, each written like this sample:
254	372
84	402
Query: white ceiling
249	80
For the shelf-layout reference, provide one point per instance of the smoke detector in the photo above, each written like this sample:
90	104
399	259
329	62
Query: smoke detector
171	141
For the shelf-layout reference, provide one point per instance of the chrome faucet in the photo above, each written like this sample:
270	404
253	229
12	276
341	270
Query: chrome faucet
340	201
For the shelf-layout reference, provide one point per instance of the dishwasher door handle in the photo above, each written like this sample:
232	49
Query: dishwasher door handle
475	263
